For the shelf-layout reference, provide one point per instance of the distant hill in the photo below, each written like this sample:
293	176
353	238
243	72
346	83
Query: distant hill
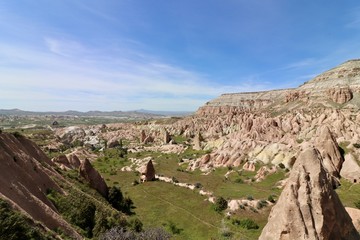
166	113
121	114
142	113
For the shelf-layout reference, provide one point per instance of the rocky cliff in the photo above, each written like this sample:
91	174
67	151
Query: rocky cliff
337	88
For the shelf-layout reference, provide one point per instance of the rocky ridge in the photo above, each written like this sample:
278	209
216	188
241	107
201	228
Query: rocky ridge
338	86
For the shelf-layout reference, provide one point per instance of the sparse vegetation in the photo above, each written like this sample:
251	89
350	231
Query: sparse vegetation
14	225
245	223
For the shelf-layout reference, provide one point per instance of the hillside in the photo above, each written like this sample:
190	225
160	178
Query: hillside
338	87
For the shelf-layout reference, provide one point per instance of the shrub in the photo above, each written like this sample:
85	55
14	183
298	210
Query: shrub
245	223
136	225
173	228
239	180
356	145
135	182
281	165
17	134
220	204
198	185
84	217
174	180
260	204
115	197
357	204
271	198
249	197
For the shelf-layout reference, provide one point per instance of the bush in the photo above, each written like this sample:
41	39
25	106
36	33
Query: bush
198	185
356	145
136	225
260	204
115	197
173	228
239	180
250	198
245	223
281	165
17	134
84	217
357	204
220	204
271	199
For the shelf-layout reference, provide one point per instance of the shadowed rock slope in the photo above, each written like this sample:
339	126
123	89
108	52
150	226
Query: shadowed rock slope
308	207
25	176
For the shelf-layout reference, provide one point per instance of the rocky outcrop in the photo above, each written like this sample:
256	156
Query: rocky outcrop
340	95
197	141
330	153
113	143
308	207
74	161
93	177
62	161
166	136
148	173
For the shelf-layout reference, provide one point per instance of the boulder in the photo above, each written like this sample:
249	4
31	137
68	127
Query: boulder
308	207
93	177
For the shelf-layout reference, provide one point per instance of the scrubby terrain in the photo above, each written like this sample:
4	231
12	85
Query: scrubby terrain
280	164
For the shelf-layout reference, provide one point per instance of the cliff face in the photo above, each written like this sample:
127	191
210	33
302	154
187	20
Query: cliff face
338	87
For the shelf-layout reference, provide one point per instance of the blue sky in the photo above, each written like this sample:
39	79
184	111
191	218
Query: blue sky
165	55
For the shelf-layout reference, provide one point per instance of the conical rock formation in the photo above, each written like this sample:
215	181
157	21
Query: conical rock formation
93	177
308	207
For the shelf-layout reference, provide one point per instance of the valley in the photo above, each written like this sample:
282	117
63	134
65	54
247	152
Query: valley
224	172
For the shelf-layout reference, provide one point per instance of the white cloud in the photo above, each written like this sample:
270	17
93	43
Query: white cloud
90	78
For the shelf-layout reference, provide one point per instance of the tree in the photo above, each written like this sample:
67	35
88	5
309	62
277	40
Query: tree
84	217
115	197
220	204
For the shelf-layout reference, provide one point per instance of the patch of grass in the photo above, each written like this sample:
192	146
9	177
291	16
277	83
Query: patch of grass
348	193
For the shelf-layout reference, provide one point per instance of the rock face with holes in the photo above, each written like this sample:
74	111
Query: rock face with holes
308	207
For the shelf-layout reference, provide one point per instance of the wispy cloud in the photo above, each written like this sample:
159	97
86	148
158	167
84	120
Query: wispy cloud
98	78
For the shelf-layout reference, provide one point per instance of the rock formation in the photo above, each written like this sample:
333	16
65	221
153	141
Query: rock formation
148	173
74	161
308	207
92	176
113	143
340	95
25	176
197	141
166	135
329	151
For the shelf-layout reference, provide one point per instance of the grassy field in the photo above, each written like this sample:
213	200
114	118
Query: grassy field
173	207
